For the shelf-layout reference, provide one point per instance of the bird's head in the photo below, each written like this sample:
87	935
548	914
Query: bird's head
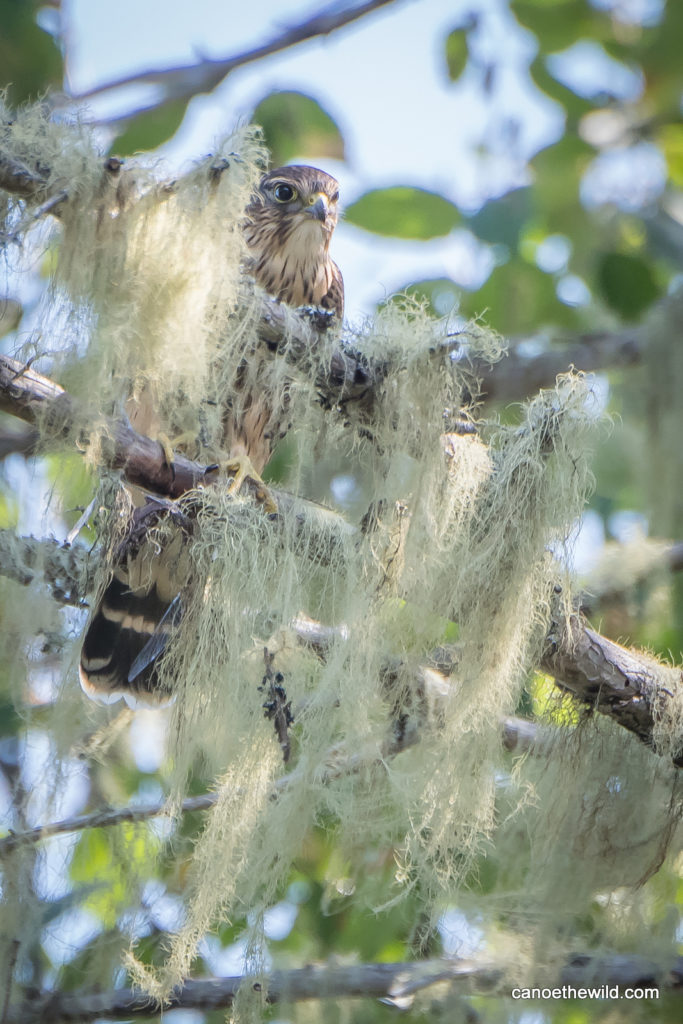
296	200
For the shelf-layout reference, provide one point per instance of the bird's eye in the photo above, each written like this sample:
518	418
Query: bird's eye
335	197
284	193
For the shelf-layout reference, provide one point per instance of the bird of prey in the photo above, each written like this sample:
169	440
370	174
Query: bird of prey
288	226
288	230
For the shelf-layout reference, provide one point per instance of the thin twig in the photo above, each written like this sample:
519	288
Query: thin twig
518	735
81	522
102	819
188	80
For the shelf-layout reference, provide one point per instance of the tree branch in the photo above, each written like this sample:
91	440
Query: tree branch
599	672
518	735
63	568
520	375
101	819
189	80
626	686
391	981
316	981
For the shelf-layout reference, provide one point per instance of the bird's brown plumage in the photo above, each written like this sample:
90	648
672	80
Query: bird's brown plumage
288	230
288	226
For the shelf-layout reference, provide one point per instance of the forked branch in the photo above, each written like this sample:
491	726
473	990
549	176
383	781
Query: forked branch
602	674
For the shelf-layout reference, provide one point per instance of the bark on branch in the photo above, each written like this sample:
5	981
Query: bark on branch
518	735
632	689
519	375
599	672
101	819
389	981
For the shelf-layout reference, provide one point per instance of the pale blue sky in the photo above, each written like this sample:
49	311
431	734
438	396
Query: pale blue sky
383	79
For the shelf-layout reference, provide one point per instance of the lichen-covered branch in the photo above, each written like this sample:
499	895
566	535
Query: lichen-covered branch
101	819
599	672
390	981
520	375
39	401
632	688
518	735
63	568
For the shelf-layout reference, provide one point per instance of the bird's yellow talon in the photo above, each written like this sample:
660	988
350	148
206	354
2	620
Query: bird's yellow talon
169	444
167	448
241	468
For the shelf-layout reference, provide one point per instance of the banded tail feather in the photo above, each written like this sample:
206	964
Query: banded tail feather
135	617
288	227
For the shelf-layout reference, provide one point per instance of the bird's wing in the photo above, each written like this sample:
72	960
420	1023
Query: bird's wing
334	299
137	613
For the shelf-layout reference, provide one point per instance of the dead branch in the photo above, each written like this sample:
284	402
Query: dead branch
518	735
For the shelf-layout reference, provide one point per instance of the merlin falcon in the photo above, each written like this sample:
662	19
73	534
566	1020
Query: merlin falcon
288	227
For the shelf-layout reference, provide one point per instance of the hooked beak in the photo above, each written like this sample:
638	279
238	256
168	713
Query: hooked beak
318	206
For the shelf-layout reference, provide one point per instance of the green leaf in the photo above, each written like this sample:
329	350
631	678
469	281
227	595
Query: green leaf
295	125
150	129
10	315
627	283
403	212
441	294
502	220
559	23
558	171
518	298
30	60
457	53
670	140
575	105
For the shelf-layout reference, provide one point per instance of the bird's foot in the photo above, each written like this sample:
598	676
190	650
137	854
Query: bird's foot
169	444
240	467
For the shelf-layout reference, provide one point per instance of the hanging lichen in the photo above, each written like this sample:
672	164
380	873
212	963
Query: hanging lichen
149	313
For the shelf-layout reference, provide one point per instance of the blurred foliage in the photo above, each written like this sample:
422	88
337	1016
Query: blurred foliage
403	213
296	125
149	128
457	53
627	283
30	58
